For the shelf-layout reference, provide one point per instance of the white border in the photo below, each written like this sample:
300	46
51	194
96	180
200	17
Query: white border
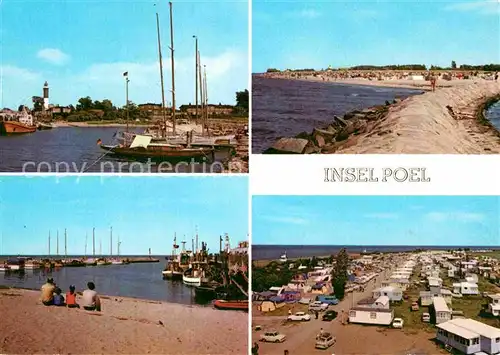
250	160
305	174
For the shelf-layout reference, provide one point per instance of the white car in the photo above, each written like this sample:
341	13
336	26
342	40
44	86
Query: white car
299	316
397	323
273	337
325	340
318	306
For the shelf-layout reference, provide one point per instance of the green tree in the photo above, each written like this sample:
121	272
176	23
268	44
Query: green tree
453	65
339	273
242	100
84	103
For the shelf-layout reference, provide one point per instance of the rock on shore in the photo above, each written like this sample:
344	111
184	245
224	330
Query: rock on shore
447	121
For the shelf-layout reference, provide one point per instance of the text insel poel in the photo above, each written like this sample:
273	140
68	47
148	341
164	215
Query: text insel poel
399	174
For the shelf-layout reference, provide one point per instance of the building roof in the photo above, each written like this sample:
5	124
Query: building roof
440	304
472	326
366	309
457	330
368	300
383	300
496	296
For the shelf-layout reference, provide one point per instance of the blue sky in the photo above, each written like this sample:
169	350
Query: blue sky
144	212
376	220
315	34
83	47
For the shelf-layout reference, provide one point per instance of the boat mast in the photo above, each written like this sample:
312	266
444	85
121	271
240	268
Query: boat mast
173	66
196	77
206	96
161	74
201	93
65	244
119	245
111	242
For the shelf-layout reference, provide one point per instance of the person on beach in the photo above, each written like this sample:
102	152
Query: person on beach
90	299
255	349
58	298
71	298
433	82
47	290
496	76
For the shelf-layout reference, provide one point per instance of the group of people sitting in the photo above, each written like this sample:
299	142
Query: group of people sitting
51	296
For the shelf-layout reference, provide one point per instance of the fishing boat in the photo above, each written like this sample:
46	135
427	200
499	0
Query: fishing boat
207	291
194	276
101	262
17	123
283	258
15	264
4	268
241	305
116	262
90	262
173	270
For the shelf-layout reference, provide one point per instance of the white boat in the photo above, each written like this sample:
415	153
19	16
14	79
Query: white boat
283	258
32	265
193	277
4	268
117	262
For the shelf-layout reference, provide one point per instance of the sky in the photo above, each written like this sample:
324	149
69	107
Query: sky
376	220
316	34
144	212
82	48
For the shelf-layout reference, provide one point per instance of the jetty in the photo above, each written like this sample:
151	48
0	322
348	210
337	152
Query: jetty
448	121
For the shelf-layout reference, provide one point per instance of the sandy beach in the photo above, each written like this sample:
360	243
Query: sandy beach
125	326
447	121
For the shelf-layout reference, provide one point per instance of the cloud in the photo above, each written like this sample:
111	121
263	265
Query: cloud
53	56
288	220
488	7
381	215
455	216
306	14
11	71
226	74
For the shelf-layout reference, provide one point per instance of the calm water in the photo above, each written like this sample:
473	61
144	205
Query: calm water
78	148
270	252
493	114
132	280
285	108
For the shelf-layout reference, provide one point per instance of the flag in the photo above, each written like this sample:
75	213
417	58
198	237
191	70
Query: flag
125	74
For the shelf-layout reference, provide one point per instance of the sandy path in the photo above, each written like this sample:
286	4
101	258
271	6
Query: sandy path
422	124
126	326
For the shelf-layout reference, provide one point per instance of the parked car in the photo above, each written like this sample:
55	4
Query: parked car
299	316
328	300
414	306
329	316
273	337
397	323
325	340
426	317
318	306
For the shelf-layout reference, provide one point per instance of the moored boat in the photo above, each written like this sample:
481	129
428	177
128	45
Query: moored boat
17	123
4	268
75	263
241	305
44	126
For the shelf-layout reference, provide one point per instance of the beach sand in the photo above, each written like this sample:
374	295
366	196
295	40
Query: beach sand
125	326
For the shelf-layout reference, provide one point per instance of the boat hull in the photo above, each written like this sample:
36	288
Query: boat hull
191	281
172	275
158	152
14	127
231	305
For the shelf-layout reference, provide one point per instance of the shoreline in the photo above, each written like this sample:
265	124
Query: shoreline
139	326
448	121
60	124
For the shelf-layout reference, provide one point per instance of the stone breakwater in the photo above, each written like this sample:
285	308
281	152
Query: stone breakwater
448	121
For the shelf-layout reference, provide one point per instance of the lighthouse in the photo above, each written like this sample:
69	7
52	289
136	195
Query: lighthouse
46	96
